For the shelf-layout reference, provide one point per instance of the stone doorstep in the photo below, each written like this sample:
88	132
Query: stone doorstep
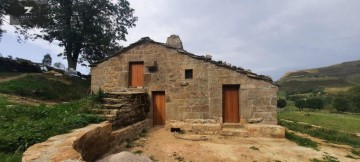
232	125
234	132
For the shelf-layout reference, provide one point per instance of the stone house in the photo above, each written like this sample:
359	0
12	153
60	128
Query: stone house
182	86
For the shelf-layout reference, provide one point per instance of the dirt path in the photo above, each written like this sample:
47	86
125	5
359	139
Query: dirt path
12	78
25	101
19	99
162	145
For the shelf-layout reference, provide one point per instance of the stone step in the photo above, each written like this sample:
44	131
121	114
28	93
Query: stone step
234	132
125	92
109	117
106	111
113	100
113	106
232	125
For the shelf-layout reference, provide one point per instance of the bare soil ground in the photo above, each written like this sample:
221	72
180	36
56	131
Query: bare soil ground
162	145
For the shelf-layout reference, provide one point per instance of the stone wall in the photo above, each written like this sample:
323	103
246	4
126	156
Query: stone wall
127	107
196	98
84	144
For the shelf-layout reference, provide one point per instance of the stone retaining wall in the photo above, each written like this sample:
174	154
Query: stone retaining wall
84	144
128	107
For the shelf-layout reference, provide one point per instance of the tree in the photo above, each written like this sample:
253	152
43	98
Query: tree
89	30
2	13
354	97
59	65
315	103
300	104
47	60
281	103
341	104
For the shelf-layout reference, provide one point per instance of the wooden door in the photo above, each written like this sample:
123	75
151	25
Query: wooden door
136	74
231	104
159	108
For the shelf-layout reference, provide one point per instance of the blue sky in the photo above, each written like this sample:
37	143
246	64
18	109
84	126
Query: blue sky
269	37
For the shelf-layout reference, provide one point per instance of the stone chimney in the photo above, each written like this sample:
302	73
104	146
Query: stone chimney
174	41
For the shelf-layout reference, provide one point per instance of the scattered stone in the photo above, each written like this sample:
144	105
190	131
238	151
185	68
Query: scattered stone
184	83
58	75
126	156
255	120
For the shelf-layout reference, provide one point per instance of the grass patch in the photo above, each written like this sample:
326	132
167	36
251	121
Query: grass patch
326	158
24	125
143	133
349	123
254	148
349	156
301	141
129	143
326	134
47	87
10	157
139	152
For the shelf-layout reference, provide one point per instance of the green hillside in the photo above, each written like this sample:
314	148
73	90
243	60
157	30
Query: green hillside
331	78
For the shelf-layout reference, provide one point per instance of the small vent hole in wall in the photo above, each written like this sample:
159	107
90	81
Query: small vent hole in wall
177	130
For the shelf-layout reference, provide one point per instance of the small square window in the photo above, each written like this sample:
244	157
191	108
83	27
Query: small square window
188	74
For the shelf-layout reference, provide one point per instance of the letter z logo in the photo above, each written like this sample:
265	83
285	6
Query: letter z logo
28	9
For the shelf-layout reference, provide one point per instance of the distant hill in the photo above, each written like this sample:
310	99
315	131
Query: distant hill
331	78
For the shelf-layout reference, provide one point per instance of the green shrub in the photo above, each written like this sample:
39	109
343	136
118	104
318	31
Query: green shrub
281	103
301	104
341	104
315	103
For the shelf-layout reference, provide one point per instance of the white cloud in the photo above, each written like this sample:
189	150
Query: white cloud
269	37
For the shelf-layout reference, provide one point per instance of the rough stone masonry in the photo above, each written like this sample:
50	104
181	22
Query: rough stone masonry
199	97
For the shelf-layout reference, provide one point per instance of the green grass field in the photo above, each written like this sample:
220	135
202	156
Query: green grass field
23	125
47	87
340	122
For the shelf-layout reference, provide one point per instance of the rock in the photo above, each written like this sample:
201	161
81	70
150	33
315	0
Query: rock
184	83
9	106
125	156
255	120
58	75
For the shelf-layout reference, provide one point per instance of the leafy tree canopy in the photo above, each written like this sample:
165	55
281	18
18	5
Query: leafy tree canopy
47	60
300	104
89	30
341	104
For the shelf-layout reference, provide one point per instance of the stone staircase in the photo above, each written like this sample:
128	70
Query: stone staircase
125	107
